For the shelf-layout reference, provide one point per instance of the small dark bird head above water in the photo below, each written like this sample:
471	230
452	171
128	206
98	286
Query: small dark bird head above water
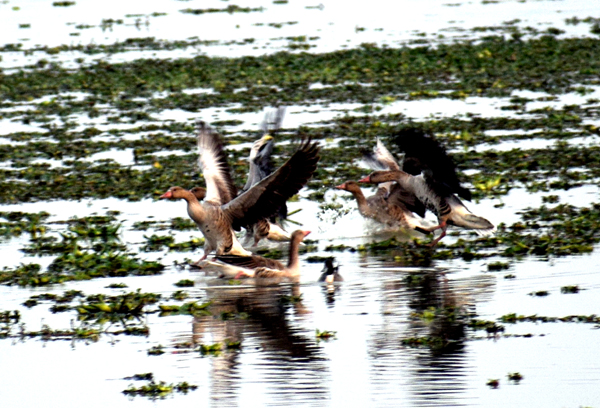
330	273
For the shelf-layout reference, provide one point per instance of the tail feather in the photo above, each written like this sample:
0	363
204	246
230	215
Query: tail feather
474	222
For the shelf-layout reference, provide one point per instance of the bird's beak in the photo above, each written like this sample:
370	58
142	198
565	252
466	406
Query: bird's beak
168	194
306	233
365	179
341	186
266	138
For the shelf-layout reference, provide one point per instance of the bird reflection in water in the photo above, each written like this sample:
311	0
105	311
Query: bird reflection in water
262	319
423	330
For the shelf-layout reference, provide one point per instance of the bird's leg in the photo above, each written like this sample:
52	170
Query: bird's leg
197	263
443	226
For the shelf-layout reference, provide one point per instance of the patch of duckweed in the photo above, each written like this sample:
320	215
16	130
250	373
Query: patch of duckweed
8	316
190	308
449	314
156	350
157	242
184	283
570	289
325	335
515	318
489	326
180	295
19	222
101	308
514	377
498	266
431	342
211	349
232	8
88	331
158	390
116	286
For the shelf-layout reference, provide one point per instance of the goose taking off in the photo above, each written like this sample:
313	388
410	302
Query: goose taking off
219	212
435	183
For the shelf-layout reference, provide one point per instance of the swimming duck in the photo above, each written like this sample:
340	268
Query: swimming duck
330	273
221	209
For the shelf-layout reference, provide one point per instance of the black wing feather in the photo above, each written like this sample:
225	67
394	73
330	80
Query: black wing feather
266	197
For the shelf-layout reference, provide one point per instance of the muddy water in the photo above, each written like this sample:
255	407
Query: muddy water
281	362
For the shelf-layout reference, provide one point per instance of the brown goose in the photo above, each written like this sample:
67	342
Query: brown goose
390	210
255	266
390	205
428	174
437	198
219	211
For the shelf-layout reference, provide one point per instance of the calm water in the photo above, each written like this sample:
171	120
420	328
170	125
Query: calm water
281	362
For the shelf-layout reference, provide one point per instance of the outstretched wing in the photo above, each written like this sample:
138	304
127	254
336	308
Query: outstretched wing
400	197
423	152
268	195
213	163
380	158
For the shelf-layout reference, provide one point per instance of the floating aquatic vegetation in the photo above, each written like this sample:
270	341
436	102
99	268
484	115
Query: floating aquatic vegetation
570	289
514	377
184	283
19	222
191	308
116	286
325	335
431	342
498	266
156	351
514	318
159	390
120	308
211	349
489	326
494	383
232	8
180	295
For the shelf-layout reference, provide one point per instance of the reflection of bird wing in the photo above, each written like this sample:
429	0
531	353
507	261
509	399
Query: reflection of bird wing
213	163
423	152
267	196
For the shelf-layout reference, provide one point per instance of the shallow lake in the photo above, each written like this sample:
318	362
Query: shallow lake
93	129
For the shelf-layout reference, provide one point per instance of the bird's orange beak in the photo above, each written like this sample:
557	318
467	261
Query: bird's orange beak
365	179
168	194
306	233
341	186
